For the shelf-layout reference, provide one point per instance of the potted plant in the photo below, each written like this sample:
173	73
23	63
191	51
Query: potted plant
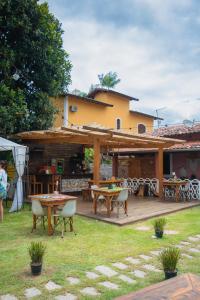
159	225
36	252
169	258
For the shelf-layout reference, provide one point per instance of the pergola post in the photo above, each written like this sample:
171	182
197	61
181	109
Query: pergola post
97	160
115	165
159	170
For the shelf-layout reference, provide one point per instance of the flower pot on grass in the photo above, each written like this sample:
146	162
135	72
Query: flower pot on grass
159	225
36	252
169	258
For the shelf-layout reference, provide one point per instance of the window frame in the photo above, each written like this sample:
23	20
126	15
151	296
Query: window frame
144	127
116	123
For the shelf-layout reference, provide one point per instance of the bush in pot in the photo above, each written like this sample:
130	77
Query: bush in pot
36	252
169	258
159	225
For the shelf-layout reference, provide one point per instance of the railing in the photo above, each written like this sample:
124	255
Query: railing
190	191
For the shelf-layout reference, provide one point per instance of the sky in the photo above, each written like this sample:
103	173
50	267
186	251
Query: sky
153	45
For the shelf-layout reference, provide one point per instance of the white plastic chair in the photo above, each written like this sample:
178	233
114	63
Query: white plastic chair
120	201
100	199
39	212
66	216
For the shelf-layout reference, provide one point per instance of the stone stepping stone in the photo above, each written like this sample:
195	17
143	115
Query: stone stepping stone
198	235
109	285
156	252
139	274
120	266
73	280
193	239
194	250
134	261
151	268
51	286
126	279
106	271
32	292
179	246
187	255
92	275
8	297
90	291
185	243
67	296
143	228
145	257
171	232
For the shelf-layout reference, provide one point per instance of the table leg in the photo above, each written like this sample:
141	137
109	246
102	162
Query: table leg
177	193
108	205
126	207
55	219
50	229
34	221
95	203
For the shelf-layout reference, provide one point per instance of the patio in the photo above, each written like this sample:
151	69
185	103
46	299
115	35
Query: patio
139	209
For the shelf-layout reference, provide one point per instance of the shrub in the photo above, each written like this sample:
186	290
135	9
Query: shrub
169	258
159	224
36	252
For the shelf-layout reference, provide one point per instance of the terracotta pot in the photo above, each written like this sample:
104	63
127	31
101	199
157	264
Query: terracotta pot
36	268
170	274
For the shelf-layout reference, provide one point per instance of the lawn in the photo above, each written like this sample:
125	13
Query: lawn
96	243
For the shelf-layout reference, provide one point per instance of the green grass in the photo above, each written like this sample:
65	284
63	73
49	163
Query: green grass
95	243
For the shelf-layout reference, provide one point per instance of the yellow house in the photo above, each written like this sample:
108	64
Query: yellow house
104	107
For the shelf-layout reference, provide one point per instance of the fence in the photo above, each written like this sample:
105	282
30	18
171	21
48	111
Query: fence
191	191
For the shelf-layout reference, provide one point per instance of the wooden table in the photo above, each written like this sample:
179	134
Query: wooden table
184	287
174	184
108	194
51	201
107	182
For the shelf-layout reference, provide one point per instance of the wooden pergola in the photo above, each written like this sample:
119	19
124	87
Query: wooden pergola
102	139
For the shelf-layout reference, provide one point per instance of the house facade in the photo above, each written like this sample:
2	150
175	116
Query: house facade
103	107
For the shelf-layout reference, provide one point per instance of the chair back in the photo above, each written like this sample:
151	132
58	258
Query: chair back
123	195
69	209
32	178
37	208
93	187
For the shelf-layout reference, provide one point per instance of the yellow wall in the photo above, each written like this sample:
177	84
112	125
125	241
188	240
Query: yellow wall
94	113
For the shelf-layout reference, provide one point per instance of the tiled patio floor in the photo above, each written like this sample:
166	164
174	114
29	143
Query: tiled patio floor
138	209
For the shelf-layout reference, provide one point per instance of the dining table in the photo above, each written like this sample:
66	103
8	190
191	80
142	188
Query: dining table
109	195
174	184
51	202
107	182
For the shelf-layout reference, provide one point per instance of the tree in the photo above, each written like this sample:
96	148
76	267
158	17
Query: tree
33	65
109	80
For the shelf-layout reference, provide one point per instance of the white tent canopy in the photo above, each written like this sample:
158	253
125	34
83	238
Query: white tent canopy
19	155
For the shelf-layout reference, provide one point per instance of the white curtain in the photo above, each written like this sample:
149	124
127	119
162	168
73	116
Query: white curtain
19	155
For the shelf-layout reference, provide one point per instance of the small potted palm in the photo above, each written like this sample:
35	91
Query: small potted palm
36	252
159	225
169	258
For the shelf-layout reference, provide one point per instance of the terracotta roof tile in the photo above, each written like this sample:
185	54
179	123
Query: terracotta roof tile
176	130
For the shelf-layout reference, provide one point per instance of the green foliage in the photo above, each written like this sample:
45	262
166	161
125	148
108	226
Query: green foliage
109	80
169	258
159	224
89	156
36	252
33	65
79	93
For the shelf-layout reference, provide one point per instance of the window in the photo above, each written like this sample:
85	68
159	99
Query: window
118	123
141	128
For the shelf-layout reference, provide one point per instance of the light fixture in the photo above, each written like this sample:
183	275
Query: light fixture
15	76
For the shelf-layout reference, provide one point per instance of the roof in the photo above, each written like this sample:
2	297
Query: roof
88	135
182	147
93	93
87	99
145	115
180	129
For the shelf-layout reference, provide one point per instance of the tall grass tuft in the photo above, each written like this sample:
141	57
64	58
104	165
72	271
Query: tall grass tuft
36	252
169	258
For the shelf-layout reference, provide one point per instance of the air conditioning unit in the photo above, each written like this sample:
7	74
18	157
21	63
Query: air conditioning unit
73	108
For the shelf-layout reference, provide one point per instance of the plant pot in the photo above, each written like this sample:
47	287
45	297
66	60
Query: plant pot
170	274
36	268
159	234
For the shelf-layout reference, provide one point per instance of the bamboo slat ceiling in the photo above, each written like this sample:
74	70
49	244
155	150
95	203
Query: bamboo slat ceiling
87	135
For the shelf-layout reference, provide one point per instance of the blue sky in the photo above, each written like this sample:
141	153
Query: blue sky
153	45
